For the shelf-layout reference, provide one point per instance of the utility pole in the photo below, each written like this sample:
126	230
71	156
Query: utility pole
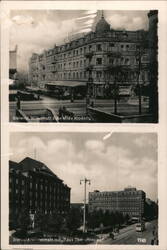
85	181
138	83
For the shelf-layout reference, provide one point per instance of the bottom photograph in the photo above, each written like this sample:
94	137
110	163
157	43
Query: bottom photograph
83	188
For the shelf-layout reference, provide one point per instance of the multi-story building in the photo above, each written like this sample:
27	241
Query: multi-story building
33	186
129	201
91	61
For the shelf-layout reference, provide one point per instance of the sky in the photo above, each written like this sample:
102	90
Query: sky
112	163
38	30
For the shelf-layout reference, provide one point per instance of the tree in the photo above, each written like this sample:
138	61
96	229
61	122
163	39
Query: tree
54	223
73	220
23	224
126	217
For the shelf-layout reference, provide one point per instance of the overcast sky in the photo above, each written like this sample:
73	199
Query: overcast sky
36	30
121	160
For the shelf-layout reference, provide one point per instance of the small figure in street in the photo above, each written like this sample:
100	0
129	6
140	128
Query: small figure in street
60	113
92	104
112	236
152	242
18	101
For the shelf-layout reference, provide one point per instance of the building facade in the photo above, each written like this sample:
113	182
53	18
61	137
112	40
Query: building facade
129	201
92	60
34	187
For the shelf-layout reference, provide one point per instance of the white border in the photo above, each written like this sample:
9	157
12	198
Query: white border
160	128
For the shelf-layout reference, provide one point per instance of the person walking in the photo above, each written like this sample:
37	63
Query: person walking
18	103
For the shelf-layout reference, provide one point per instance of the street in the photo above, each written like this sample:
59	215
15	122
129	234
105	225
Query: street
78	107
129	236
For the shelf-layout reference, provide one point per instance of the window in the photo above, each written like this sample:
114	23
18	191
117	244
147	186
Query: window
112	45
122	46
127	61
111	61
99	47
99	61
98	74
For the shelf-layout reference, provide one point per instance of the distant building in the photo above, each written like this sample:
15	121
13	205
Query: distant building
13	63
129	201
33	186
88	62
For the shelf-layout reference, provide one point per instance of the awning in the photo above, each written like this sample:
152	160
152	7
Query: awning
66	83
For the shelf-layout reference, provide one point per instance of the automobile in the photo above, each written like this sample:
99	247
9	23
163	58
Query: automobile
140	227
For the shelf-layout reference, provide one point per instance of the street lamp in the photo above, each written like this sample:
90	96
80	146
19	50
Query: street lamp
85	181
138	58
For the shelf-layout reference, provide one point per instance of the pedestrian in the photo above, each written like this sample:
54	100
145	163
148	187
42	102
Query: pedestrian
60	112
18	101
152	242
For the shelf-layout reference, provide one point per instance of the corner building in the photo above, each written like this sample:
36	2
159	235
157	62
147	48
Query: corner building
89	60
129	201
33	186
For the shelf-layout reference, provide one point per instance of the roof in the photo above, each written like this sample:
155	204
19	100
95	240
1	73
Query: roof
102	25
67	83
31	164
13	165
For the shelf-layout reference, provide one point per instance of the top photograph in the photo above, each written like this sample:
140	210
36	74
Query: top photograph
83	66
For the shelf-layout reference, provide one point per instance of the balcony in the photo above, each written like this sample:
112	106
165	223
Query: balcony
115	54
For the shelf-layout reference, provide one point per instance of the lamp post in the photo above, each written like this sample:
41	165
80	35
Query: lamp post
138	78
85	181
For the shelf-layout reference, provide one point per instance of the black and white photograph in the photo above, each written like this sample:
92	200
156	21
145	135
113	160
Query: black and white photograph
83	66
83	188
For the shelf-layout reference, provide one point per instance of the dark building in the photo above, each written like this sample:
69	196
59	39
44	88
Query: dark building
33	186
153	62
129	201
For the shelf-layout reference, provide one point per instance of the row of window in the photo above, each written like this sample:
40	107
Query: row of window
89	48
